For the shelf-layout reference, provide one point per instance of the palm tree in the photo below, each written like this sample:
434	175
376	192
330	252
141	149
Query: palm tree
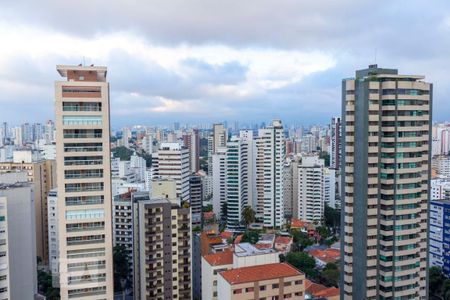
248	215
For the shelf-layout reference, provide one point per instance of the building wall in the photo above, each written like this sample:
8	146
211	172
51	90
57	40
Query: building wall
79	203
386	185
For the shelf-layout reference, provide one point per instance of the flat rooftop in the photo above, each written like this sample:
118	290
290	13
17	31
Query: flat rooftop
64	69
247	249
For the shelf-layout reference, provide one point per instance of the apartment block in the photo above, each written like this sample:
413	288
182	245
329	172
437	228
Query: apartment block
311	189
440	235
270	156
42	174
84	183
386	181
162	257
271	281
18	271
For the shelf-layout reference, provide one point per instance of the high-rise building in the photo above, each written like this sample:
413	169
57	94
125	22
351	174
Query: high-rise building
191	141
440	235
335	142
196	198
18	278
441	165
386	174
270	155
311	189
162	257
42	174
84	183
173	162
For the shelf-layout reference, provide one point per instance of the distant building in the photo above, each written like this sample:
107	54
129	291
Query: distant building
440	235
196	198
311	189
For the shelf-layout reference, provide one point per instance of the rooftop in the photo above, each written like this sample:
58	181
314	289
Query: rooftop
247	249
327	255
220	259
258	273
329	292
64	69
283	240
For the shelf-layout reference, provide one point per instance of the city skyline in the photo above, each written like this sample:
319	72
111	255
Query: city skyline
196	65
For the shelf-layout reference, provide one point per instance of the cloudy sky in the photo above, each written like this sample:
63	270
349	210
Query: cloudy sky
201	61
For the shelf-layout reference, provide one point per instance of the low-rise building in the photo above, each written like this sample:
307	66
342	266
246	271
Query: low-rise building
269	281
283	244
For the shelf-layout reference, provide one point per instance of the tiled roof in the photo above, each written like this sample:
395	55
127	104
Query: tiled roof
297	223
312	288
220	259
327	255
329	292
283	240
226	234
238	239
258	273
263	245
208	215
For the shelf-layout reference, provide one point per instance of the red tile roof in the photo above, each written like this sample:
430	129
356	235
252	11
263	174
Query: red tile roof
258	273
208	215
263	245
226	234
297	223
313	288
329	292
220	259
283	240
238	239
327	255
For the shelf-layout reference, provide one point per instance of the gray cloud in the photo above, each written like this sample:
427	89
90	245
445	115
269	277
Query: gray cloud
409	35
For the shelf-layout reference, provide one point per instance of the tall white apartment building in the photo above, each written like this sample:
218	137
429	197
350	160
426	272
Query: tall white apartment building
329	184
147	143
441	164
219	184
84	183
138	165
311	189
270	155
53	243
173	162
335	142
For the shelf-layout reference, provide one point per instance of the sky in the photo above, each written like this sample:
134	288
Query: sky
202	61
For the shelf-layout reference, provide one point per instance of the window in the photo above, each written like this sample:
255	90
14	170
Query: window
275	286
287	283
298	282
287	296
82	120
262	288
249	289
238	291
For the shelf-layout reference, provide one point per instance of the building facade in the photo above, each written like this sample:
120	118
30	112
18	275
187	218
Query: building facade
84	183
440	235
386	151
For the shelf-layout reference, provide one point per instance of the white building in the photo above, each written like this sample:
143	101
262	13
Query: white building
219	188
244	255
53	250
138	166
18	277
270	157
441	164
173	162
329	185
440	188
311	194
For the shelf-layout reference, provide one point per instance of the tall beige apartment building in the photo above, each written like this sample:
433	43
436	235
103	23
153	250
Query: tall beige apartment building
42	174
386	163
84	183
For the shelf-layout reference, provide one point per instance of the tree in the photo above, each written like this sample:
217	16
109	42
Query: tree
248	214
303	262
330	275
326	157
121	267
122	152
332	217
207	208
301	240
45	286
250	236
323	232
435	279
